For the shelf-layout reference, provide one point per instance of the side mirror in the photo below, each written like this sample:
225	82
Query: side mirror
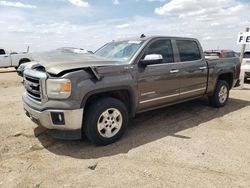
151	59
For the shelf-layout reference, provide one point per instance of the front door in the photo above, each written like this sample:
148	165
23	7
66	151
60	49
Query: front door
158	84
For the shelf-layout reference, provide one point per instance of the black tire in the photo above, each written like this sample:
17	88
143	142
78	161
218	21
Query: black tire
92	118
215	99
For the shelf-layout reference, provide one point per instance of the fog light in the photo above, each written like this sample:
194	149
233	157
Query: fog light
57	118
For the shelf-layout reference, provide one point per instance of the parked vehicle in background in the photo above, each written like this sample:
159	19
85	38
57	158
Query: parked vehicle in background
75	50
246	55
213	54
246	64
13	59
237	54
29	65
95	94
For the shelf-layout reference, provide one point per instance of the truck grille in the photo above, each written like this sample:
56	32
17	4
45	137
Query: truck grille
32	86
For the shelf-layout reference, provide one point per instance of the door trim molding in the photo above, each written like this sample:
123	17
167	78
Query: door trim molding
159	98
191	91
173	95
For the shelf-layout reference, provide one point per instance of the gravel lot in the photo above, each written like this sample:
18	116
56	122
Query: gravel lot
186	145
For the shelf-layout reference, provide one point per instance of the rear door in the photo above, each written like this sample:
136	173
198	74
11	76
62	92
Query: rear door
4	59
193	71
158	84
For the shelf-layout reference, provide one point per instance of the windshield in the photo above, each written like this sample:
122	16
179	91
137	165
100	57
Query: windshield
119	51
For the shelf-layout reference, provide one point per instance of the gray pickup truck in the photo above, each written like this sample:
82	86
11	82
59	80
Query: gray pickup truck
96	94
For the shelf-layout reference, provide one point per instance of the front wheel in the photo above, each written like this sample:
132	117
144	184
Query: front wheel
105	121
221	94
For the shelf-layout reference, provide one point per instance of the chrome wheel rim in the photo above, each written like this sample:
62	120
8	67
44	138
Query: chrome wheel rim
223	94
109	123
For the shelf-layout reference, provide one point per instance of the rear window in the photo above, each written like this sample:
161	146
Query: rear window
247	55
188	50
2	52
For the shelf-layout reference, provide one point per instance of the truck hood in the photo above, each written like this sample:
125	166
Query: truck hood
58	61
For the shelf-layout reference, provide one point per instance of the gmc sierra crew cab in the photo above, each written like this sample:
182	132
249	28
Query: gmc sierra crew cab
96	94
13	59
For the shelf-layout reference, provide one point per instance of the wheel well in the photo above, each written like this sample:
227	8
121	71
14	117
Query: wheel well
24	60
228	77
122	95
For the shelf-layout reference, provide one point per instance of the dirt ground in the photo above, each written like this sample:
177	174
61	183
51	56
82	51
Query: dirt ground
186	145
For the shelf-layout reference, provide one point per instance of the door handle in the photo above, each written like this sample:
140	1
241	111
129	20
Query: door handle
203	68
174	71
5	56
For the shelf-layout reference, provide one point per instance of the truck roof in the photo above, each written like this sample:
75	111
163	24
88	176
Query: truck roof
153	37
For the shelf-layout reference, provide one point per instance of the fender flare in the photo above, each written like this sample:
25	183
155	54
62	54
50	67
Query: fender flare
132	93
221	73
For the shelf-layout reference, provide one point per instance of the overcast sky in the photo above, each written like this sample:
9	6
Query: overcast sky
49	24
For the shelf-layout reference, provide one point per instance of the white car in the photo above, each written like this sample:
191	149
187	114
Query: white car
75	50
13	59
246	65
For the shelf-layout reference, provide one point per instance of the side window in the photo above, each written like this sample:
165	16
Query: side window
2	52
247	55
162	47
188	50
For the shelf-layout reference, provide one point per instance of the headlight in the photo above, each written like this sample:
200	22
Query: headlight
58	88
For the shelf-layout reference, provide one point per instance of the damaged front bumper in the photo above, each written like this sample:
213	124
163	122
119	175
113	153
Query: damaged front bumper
62	124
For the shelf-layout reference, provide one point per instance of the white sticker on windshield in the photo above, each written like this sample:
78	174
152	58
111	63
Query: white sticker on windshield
135	42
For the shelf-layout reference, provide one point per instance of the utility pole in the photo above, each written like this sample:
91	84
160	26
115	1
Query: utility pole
242	72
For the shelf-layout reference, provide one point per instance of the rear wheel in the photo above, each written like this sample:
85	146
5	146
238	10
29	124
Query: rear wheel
221	94
105	121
